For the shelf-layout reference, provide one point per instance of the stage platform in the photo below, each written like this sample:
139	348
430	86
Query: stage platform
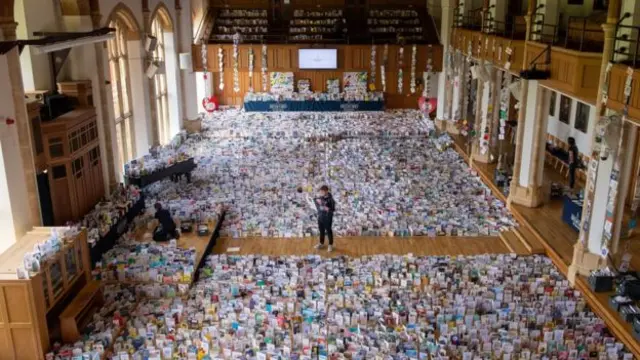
363	245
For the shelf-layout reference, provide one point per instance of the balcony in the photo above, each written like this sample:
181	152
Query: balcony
583	34
492	44
572	72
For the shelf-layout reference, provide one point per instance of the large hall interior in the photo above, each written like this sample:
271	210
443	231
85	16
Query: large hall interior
319	179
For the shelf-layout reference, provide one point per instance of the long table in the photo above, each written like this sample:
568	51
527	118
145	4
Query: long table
212	242
106	242
182	167
266	106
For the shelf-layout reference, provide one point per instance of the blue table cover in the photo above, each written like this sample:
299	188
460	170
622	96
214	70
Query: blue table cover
572	212
264	106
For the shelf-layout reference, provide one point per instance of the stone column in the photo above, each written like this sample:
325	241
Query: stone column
528	190
181	74
106	127
144	121
445	39
626	152
23	125
524	86
35	15
19	202
583	260
153	116
495	124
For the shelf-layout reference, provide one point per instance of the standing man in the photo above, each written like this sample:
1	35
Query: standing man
325	205
574	161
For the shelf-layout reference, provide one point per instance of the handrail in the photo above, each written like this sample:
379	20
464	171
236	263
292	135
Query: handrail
632	39
342	39
582	43
583	31
546	51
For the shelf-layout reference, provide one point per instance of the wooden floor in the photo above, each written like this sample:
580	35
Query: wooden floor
187	240
362	245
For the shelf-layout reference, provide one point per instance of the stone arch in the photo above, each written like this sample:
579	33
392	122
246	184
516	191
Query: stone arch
75	7
164	17
125	15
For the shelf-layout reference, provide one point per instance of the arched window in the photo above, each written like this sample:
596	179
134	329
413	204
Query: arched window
119	69
160	94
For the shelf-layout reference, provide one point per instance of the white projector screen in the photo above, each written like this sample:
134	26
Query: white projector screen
318	59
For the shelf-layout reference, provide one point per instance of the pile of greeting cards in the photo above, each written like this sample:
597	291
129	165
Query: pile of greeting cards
381	306
107	213
146	262
46	250
312	126
159	157
105	325
386	175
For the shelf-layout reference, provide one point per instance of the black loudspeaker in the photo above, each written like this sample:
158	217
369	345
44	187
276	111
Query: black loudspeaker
535	74
44	193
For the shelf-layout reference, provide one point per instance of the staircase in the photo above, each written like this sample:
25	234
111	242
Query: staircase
513	243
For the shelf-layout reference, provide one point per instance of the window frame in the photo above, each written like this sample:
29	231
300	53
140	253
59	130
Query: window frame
121	90
159	85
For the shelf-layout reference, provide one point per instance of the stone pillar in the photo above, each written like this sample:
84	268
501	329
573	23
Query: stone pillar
188	77
153	123
482	111
496	76
477	121
528	190
627	151
498	10
140	97
106	126
35	15
445	39
524	86
19	202
549	14
587	258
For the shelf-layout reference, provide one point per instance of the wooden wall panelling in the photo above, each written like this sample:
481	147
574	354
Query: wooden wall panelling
285	58
574	73
517	57
23	329
60	196
397	3
338	4
240	4
615	102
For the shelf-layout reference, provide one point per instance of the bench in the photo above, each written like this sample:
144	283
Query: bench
79	312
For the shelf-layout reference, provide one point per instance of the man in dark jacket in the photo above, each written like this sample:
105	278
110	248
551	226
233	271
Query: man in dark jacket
167	228
326	206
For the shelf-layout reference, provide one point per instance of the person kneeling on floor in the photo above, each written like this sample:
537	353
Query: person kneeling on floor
166	229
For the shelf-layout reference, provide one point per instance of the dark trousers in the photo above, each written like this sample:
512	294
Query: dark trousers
164	235
572	175
324	224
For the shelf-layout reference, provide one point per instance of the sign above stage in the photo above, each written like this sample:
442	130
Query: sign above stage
298	106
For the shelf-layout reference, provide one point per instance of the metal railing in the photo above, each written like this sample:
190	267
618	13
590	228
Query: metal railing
471	21
327	39
580	35
626	46
509	30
